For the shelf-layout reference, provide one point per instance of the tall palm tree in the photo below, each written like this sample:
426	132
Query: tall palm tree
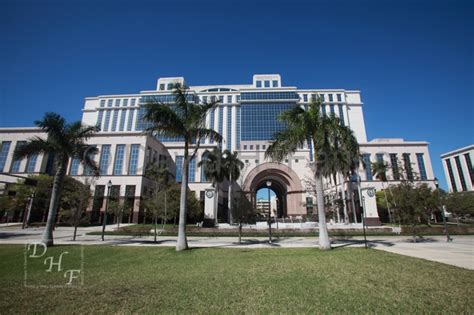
214	166
301	126
64	141
379	169
338	151
187	120
233	166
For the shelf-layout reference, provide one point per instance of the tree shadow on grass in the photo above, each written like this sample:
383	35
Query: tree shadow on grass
341	243
10	235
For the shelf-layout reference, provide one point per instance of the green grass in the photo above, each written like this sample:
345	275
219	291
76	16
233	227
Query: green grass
159	280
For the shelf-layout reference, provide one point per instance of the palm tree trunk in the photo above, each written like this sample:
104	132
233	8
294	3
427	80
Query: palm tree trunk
324	243
240	232
75	232
216	204
182	243
344	203
229	202
155	221
54	203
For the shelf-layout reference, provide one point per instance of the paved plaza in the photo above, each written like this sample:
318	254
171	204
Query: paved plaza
459	252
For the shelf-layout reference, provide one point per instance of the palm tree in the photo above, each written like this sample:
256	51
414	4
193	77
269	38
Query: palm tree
187	120
302	126
233	165
64	141
214	170
338	154
379	170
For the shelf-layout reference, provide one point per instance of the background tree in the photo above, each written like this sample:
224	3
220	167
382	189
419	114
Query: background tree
243	212
187	120
379	169
215	170
233	166
74	202
118	208
64	141
460	204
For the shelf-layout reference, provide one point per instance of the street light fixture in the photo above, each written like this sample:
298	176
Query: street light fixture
104	219
269	184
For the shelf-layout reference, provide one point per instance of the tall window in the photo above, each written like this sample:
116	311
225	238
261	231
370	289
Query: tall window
87	170
367	166
179	168
100	115
117	102
125	102
330	97
31	163
451	175
339	97
74	167
237	128
275	83
467	157
379	157
267	83
259	84
341	114
221	118
119	156
331	107
15	168
394	164
192	170
107	120
133	164
229	99
5	148
104	159
122	119
321	96
323	109
114	120
407	164
305	98
102	103
110	103
421	166
131	113
461	173
221	99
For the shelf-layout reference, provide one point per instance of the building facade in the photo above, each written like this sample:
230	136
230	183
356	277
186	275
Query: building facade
247	118
457	165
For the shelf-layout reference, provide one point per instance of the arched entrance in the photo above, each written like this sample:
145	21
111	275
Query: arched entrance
284	182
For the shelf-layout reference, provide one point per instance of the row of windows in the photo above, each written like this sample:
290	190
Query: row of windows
461	175
168	98
118	102
266	83
308	97
257	147
248	96
394	165
104	161
16	163
119	117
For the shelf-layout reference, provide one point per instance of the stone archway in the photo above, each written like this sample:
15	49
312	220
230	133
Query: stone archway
285	183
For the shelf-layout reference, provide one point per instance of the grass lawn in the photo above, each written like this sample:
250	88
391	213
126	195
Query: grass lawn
152	280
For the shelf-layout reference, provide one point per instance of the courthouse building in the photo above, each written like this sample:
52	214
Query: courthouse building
246	117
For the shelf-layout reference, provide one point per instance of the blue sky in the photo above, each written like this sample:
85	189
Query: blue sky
412	60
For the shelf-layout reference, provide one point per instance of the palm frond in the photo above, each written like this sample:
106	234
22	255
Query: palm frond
35	145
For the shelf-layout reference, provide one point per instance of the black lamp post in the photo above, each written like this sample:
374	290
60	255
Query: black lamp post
448	238
104	219
269	184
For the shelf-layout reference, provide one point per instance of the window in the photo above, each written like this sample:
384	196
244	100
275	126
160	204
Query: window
104	159
162	87
74	167
250	96
367	166
394	164
246	161
321	96
305	98
407	164
87	170
221	119
131	113
264	146
192	171
451	175
421	166
331	108
256	161
132	103
5	148
133	164
110	103
330	97
204	99
31	163
229	99
211	122
229	128
122	120
238	98
467	157
117	102
260	120
245	147
15	168
341	114
119	156
100	115
221	99
125	102
257	147
102	103
339	97
170	86
460	173
259	84
179	168
251	147
379	157
275	83
114	120
286	160
267	83
296	160
237	128
107	120
323	110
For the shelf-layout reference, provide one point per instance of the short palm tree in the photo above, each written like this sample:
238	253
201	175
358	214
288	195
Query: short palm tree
187	120
64	141
337	153
233	166
214	166
301	126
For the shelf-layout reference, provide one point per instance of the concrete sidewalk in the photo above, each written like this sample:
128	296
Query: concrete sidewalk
459	253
